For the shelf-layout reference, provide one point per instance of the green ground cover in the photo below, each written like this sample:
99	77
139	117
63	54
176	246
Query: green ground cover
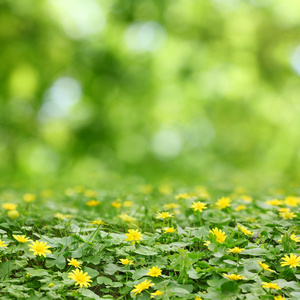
149	242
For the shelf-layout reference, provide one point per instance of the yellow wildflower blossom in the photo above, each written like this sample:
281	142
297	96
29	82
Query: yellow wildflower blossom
171	206
157	293
39	248
163	215
198	206
74	262
245	230
275	202
154	272
98	222
292	261
223	203
126	218
81	278
291	201
169	230
126	261
29	197
279	297
142	286
93	203
21	238
270	285
234	276
236	250
220	235
9	206
240	207
264	266
134	235
165	189
127	203
13	214
2	244
287	215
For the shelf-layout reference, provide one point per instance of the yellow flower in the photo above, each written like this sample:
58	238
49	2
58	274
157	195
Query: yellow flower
246	198
2	244
39	248
198	298
74	262
29	197
223	202
202	192
126	261
68	216
142	286
292	261
51	284
283	209
279	297
198	206
81	278
236	250
9	206
134	235
154	272
295	238
207	243
264	266
275	202
171	206
59	216
165	189
287	215
234	276
46	193
185	196
240	207
126	218
127	203
13	214
90	193
291	201
146	188
116	204
270	285
245	230
21	238
98	222
93	203
219	234
169	230
164	215
157	293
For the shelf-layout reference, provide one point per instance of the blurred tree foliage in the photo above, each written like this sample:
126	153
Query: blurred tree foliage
154	87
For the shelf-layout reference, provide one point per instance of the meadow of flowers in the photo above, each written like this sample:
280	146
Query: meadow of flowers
149	242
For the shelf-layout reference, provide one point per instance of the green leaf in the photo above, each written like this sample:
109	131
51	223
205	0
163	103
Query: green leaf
91	272
139	273
111	269
93	259
145	251
104	280
37	272
89	294
229	287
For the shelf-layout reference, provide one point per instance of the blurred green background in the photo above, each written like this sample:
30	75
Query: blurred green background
188	89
